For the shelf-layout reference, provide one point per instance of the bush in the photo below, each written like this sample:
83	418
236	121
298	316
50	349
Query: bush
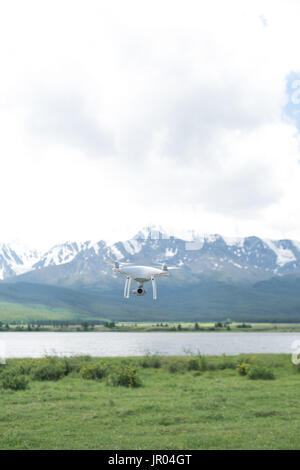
10	380
260	373
49	370
193	364
227	363
67	364
76	363
126	376
25	366
243	368
176	365
151	361
203	365
211	366
93	372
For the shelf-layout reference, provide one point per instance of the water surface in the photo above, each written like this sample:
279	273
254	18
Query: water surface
38	344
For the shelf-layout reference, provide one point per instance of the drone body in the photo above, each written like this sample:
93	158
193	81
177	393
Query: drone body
139	274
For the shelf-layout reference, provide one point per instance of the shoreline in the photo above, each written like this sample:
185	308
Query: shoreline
149	327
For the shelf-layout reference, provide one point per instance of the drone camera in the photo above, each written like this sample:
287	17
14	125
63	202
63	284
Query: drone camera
139	291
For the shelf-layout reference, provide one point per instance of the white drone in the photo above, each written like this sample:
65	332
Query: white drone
140	274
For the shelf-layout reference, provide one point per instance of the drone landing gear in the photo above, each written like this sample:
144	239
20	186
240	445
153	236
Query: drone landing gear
127	287
154	288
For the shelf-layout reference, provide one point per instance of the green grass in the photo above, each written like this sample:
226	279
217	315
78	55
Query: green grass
212	409
206	326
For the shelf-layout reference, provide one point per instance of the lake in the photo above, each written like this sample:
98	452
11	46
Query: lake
38	344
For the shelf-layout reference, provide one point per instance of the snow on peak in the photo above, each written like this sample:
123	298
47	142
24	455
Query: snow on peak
132	246
284	255
117	253
61	254
16	258
234	241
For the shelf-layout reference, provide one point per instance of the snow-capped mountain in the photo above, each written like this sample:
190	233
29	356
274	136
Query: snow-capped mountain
60	254
16	259
249	258
237	259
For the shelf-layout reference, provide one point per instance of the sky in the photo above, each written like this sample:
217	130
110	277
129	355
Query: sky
115	115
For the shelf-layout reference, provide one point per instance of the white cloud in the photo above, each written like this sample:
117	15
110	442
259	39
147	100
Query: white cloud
116	114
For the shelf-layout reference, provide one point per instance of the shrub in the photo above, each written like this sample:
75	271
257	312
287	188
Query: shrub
25	366
227	363
211	366
244	363
10	380
203	365
193	364
151	361
93	372
124	375
176	365
260	373
76	363
243	368
67	364
48	371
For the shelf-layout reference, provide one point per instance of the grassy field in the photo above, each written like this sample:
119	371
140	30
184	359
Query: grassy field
205	326
182	403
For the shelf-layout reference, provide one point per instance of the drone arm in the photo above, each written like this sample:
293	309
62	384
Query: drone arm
154	287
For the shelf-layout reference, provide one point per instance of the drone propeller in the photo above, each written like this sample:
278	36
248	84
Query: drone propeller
117	264
110	261
162	266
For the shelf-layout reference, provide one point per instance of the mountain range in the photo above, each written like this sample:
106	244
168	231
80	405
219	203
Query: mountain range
246	278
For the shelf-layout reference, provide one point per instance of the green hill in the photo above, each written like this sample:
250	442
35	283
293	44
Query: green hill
10	311
275	300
